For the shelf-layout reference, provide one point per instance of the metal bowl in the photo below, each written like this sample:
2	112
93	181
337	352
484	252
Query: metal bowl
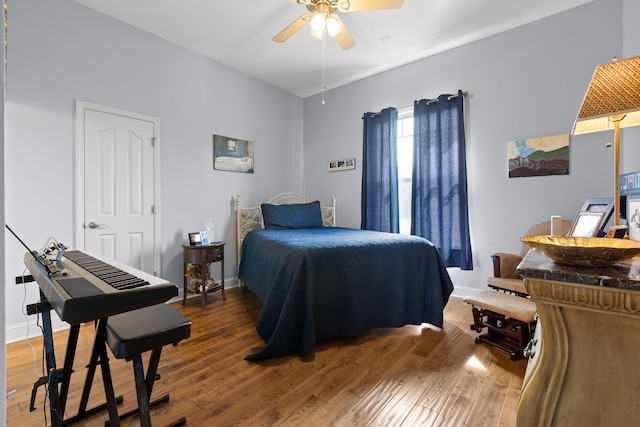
584	251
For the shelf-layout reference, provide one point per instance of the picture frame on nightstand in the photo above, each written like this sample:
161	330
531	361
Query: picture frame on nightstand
195	239
600	205
587	224
633	216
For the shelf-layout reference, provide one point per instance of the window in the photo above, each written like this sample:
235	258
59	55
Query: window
430	202
405	167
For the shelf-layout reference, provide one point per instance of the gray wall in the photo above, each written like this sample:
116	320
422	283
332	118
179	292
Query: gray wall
523	83
60	52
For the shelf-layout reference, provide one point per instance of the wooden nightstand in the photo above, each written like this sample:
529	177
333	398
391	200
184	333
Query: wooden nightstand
204	255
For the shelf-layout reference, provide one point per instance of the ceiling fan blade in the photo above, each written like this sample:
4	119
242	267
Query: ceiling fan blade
293	28
343	37
358	5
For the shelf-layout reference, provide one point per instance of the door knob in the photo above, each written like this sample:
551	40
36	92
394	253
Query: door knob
92	224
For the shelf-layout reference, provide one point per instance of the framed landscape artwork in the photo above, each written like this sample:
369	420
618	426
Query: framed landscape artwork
539	156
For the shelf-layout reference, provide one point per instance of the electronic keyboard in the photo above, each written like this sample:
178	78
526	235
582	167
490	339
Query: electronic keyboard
89	287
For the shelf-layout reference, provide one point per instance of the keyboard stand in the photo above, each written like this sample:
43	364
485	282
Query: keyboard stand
53	378
81	296
58	380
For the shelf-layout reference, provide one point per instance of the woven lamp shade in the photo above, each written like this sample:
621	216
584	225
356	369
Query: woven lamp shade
614	91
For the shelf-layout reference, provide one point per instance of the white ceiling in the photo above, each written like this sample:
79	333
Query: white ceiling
238	33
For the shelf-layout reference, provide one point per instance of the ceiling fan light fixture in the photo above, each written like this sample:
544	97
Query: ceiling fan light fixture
333	26
318	22
321	16
317	34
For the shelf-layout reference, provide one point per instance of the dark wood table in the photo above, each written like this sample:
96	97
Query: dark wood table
204	255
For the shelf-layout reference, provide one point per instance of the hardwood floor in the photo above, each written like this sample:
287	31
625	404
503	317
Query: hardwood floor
410	376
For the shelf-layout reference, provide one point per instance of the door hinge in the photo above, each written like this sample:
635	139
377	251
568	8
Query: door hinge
153	209
153	141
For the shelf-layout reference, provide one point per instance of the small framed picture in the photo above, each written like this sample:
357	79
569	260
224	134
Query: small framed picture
587	224
633	216
600	205
341	165
195	239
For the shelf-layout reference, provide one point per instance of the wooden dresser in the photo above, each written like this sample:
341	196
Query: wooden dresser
583	366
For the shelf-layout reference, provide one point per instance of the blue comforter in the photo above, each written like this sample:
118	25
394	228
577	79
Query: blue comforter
324	282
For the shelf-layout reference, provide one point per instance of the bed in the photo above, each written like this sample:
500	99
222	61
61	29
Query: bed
317	280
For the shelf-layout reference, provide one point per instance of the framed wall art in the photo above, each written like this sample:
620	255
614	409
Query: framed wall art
630	183
342	165
232	154
547	155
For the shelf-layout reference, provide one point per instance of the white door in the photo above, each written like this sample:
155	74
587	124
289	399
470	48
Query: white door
117	216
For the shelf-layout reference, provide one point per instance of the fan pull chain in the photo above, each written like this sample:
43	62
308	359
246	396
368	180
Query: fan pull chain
324	54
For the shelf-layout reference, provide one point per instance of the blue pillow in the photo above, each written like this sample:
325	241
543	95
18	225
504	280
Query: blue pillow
297	215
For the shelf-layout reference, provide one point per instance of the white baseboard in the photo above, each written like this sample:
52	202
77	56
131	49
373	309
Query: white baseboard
462	291
25	330
30	329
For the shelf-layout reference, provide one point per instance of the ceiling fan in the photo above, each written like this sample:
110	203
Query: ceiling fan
321	16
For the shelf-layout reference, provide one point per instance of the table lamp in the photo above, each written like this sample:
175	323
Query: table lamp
612	102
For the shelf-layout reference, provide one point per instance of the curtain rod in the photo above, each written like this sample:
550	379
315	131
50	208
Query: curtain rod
449	98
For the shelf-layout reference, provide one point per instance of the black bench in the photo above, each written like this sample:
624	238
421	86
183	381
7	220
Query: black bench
132	333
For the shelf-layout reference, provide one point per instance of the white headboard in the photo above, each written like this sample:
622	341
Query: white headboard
251	218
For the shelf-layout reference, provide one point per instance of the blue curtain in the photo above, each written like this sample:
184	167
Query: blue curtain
439	194
380	172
